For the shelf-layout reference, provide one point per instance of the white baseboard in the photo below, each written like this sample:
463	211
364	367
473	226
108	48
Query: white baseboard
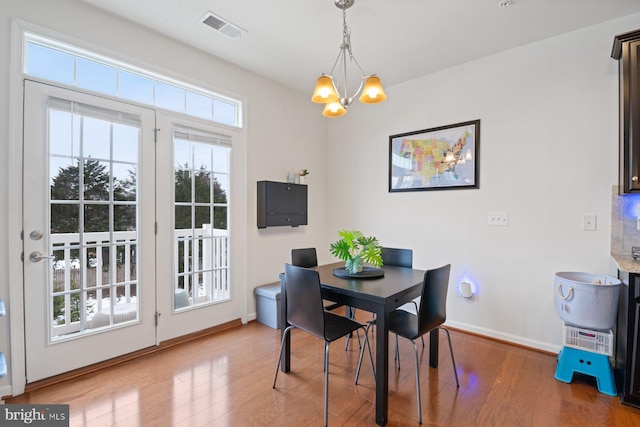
251	316
505	337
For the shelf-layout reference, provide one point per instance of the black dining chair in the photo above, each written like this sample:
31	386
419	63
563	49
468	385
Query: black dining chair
308	258
432	313
402	258
397	257
304	257
305	311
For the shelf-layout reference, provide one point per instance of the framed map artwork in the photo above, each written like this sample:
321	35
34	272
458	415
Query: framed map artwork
442	158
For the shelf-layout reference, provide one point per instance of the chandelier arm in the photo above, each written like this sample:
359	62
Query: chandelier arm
344	83
336	63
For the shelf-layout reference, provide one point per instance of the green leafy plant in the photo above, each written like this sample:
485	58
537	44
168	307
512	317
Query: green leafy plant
354	248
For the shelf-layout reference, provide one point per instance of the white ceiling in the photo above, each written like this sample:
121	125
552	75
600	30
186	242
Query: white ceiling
293	41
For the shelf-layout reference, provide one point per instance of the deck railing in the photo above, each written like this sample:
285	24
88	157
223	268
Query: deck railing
95	275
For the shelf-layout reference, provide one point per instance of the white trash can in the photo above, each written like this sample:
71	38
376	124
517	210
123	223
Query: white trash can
587	300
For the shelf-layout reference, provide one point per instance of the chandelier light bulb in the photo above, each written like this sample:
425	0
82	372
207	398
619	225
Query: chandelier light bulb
334	109
324	92
372	92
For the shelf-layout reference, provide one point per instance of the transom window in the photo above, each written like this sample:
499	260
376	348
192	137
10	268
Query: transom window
55	61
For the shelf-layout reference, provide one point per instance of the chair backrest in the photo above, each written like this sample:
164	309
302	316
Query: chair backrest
304	299
305	257
397	257
433	306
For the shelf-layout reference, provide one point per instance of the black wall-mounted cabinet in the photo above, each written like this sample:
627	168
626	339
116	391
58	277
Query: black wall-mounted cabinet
626	49
281	204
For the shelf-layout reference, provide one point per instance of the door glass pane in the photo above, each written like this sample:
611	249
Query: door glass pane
201	234
124	181
94	220
61	140
181	154
202	156
220	188
202	187
124	218
96	180
65	178
182	188
96	138
125	143
65	218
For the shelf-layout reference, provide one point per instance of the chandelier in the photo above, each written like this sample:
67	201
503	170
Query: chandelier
332	91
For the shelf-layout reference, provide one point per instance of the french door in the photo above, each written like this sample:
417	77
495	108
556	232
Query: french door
126	228
88	229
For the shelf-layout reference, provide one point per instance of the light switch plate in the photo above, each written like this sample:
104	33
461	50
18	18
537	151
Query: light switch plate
499	218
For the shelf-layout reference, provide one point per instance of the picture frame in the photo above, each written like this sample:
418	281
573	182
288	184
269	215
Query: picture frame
440	158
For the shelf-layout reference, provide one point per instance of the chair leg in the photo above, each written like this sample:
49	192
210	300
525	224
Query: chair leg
397	353
368	345
284	334
415	352
351	314
346	345
326	383
453	360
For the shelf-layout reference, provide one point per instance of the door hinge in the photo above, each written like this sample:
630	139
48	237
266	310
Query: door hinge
155	134
158	314
156	228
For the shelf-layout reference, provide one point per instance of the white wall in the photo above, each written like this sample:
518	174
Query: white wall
548	155
279	138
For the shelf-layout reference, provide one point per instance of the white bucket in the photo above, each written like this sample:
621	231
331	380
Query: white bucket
587	300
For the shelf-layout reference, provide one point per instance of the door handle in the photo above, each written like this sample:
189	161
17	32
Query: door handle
37	256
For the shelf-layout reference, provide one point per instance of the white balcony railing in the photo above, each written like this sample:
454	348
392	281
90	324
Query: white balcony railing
100	275
202	266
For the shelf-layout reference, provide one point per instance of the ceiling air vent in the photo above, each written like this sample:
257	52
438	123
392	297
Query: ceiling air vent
218	23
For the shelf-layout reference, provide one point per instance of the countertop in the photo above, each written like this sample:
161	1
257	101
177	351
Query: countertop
626	263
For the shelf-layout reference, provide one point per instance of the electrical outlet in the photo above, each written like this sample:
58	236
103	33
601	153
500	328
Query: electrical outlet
499	218
589	222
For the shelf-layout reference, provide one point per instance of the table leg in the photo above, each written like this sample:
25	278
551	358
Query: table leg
285	361
382	367
433	348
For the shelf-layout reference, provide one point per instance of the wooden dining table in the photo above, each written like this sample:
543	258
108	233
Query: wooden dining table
379	295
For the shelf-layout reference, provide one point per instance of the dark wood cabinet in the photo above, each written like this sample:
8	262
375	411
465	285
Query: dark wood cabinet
627	356
281	204
626	49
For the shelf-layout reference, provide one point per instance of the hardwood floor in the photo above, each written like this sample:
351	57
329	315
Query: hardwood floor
225	380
